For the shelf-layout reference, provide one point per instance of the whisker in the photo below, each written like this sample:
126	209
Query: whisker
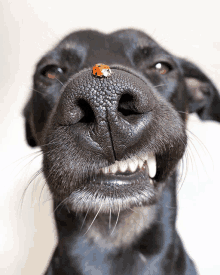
201	144
93	220
43	94
110	216
192	143
59	81
41	192
161	85
20	160
182	112
84	219
116	221
25	190
181	178
62	202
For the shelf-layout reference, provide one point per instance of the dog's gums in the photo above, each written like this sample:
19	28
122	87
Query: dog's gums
112	136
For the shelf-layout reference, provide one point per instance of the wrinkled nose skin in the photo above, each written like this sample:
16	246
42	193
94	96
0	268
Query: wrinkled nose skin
109	114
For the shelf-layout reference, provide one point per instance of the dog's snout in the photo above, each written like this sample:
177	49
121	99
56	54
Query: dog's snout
111	111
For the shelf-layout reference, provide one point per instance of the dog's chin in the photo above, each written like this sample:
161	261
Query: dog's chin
108	192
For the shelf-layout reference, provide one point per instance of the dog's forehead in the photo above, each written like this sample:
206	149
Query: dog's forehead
131	36
120	42
136	38
92	47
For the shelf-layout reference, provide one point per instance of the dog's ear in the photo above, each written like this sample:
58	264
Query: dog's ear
27	114
203	97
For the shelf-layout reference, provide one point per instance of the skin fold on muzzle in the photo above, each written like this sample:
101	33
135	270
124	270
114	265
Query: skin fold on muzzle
111	144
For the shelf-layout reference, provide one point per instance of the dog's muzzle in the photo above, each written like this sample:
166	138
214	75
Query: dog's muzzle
109	135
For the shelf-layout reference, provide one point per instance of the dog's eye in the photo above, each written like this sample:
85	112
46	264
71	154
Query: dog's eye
52	71
162	67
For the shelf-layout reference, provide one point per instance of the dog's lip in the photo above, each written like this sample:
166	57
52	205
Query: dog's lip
105	192
140	176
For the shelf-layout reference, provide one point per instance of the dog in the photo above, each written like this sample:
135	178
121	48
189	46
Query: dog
109	113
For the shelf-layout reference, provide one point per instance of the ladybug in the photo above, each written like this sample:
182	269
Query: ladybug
101	70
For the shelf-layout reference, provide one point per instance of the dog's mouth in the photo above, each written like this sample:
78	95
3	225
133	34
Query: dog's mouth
122	185
129	171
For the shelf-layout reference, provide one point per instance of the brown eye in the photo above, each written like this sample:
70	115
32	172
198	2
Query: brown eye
162	68
52	72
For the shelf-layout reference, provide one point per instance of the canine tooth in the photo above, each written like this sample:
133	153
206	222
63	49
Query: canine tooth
133	164
113	168
151	182
151	162
123	166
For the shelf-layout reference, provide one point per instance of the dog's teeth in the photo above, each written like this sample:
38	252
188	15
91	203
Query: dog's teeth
105	170
140	163
113	168
151	162
132	165
123	166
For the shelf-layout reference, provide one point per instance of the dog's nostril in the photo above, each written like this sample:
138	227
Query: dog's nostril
88	114
126	105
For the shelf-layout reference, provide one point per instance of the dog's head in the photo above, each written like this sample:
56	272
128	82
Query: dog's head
113	140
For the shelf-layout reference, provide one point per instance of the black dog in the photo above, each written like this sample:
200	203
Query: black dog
111	142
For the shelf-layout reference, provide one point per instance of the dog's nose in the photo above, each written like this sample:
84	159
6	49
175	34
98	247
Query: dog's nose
108	114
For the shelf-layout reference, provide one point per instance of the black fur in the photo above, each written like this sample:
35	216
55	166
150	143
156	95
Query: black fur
115	223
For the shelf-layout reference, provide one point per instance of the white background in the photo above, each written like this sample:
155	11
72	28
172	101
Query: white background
28	29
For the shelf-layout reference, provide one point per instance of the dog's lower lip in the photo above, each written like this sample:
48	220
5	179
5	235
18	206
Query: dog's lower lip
115	192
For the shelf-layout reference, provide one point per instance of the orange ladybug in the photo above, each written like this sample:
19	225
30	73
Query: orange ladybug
101	70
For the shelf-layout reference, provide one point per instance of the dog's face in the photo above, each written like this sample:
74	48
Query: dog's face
113	141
